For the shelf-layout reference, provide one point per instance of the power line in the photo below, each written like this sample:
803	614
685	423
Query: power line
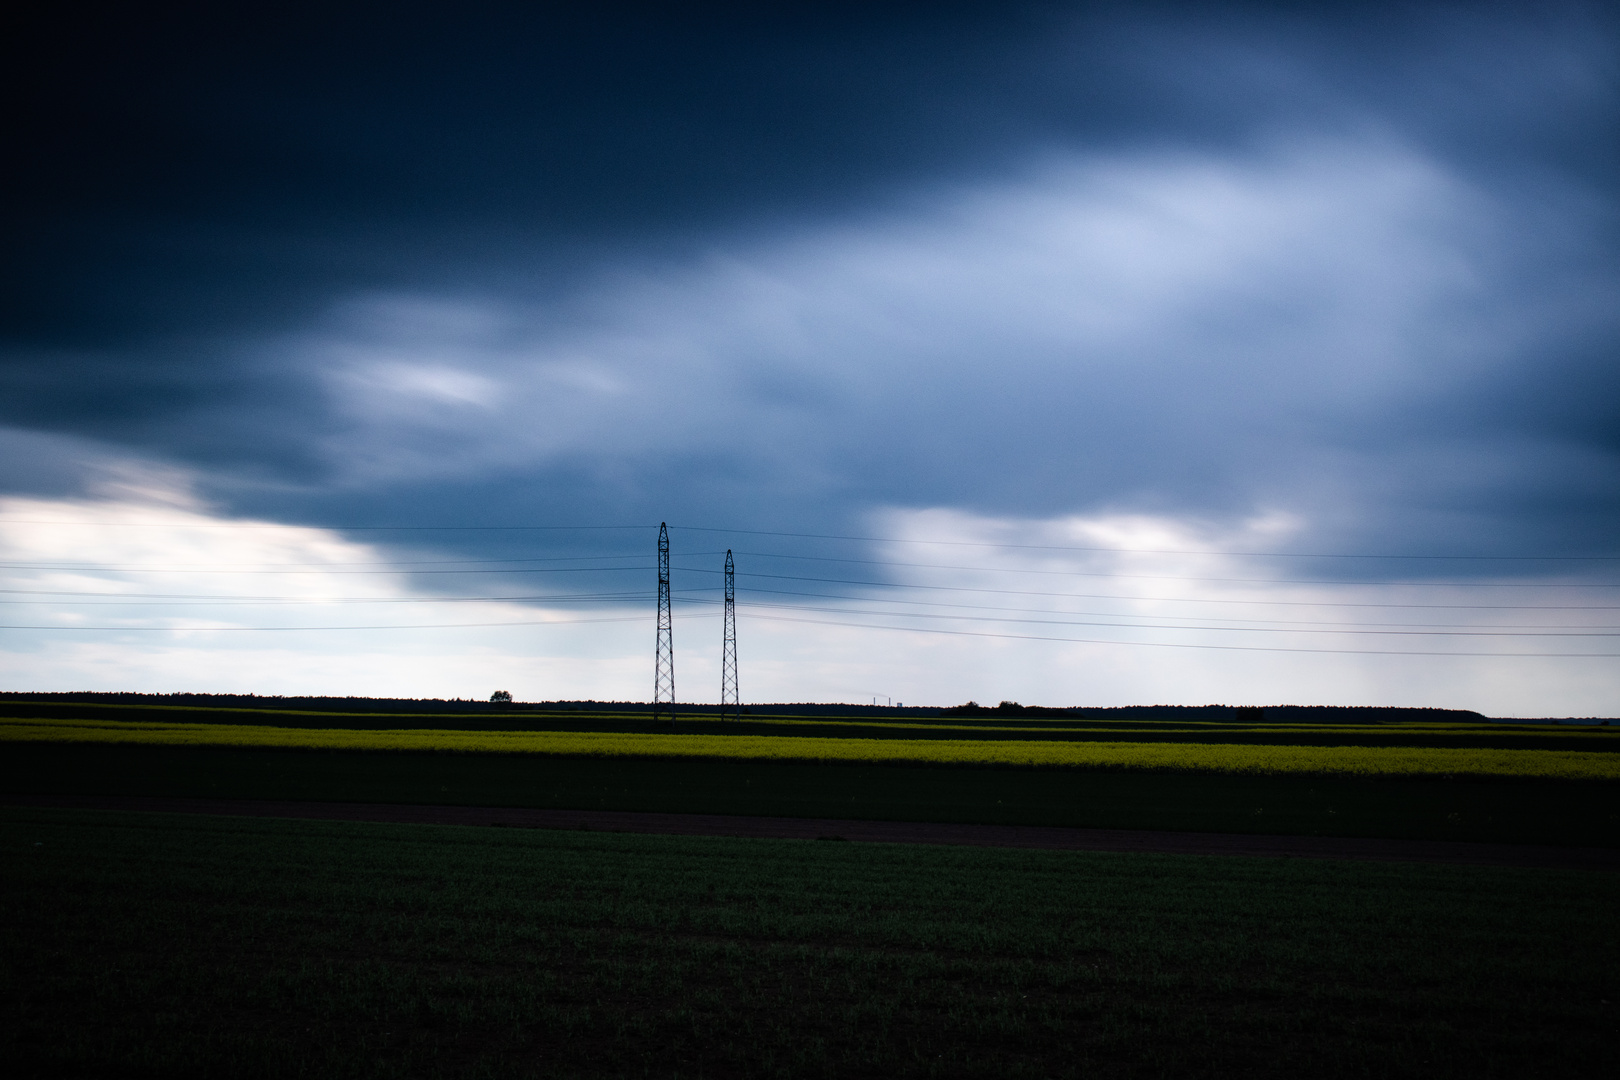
344	602
1211	600
250	599
345	528
1147	577
167	568
324	528
630	596
664	661
496	566
1584	632
638	594
319	570
324	567
1171	644
993	613
378	626
525	566
1138	615
1150	577
1157	551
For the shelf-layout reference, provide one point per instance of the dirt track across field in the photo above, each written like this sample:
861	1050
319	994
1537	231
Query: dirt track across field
887	832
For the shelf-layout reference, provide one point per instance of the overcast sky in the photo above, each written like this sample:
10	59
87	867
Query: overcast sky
1075	354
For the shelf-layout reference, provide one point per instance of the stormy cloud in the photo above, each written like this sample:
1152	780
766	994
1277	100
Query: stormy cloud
1334	280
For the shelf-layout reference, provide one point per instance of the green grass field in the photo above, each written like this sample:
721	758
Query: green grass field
177	946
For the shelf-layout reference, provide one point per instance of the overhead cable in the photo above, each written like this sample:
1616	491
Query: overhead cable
1175	644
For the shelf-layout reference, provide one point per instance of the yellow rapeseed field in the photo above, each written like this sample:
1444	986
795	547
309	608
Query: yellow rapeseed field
1357	760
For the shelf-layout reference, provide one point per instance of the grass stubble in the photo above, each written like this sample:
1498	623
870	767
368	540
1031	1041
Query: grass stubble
151	944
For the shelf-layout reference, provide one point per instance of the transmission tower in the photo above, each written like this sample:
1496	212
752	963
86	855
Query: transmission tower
730	702
664	663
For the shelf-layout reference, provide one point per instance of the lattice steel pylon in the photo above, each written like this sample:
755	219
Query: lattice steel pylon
730	703
664	662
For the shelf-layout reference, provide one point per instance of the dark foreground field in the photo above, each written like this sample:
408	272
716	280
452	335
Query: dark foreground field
157	945
1514	810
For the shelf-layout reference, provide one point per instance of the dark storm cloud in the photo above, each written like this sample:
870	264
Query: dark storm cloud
187	179
491	263
344	142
